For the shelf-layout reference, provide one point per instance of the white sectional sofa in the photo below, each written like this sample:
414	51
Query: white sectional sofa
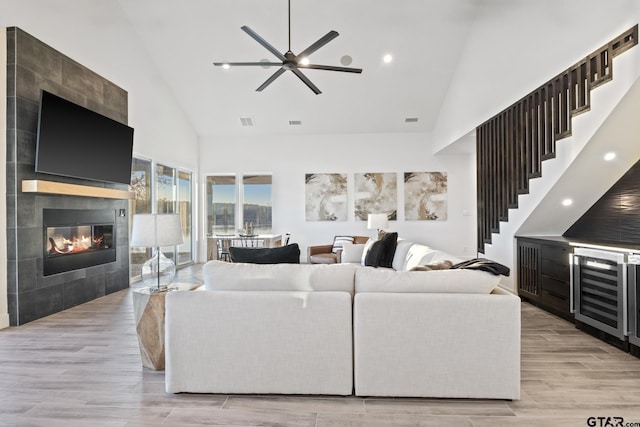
278	328
451	337
330	329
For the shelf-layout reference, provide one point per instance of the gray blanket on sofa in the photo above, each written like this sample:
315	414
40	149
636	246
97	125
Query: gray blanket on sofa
484	265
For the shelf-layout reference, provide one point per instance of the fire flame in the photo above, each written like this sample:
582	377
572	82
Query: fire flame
75	245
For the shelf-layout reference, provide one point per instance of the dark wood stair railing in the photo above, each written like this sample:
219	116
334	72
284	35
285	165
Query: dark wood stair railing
512	145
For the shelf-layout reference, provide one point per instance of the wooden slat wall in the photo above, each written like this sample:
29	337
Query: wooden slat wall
528	266
512	145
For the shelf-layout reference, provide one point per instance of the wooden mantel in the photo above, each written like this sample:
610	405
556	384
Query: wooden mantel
51	187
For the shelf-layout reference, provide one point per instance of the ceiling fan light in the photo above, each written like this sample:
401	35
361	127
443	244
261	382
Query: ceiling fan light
303	61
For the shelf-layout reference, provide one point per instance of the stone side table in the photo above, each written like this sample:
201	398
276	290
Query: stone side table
148	309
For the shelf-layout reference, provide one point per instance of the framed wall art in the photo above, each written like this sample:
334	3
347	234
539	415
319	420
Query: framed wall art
425	196
375	193
325	196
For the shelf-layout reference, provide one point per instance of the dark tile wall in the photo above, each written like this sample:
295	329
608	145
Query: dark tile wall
615	217
32	66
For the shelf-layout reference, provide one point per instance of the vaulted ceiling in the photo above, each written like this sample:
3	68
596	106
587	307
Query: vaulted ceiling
424	37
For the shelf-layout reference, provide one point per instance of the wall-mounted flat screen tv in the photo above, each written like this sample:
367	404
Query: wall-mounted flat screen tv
77	142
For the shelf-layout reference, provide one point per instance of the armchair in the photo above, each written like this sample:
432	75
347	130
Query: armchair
331	253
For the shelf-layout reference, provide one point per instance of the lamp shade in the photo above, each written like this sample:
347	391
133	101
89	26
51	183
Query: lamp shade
156	230
377	221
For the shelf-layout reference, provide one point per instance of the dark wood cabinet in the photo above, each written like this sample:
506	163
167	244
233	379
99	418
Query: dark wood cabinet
543	273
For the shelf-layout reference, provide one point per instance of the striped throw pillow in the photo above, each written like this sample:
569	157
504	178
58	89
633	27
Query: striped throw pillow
339	240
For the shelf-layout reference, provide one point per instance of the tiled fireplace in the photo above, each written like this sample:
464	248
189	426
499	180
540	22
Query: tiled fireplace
82	263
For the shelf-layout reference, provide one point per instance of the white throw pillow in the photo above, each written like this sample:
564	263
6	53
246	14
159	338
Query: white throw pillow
352	252
402	249
339	241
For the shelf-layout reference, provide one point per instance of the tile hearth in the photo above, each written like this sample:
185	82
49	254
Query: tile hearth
82	367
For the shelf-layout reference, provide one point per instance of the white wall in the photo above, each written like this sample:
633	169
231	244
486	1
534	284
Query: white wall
512	51
289	158
97	35
4	310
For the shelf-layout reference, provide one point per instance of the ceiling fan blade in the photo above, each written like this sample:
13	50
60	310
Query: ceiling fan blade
317	45
270	79
331	68
250	64
306	81
263	42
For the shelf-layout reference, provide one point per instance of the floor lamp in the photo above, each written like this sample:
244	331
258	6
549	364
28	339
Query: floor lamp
155	231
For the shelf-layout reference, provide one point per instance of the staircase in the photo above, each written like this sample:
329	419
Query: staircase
512	145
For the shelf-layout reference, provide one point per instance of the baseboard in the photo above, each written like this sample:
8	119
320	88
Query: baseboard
510	290
4	320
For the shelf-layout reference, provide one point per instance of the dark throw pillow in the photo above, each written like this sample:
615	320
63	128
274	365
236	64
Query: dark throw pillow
372	258
289	254
389	243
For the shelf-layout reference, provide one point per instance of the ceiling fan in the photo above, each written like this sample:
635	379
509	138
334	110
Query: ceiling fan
289	60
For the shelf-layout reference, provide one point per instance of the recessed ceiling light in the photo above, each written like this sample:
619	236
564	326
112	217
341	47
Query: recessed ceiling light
567	202
304	61
346	60
610	156
387	58
226	66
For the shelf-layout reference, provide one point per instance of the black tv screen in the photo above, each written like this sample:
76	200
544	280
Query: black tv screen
77	142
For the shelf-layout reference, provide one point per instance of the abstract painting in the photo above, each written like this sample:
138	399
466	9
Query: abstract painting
425	196
325	196
376	193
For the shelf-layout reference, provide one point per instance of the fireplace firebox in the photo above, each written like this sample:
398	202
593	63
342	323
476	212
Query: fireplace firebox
75	239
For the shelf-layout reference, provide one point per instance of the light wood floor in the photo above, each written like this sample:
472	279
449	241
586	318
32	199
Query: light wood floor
82	367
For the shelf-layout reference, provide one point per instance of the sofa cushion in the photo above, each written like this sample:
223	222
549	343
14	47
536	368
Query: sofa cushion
219	275
402	248
437	281
419	254
286	254
339	241
351	252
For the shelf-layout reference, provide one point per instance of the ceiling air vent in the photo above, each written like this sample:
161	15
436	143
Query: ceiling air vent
411	120
295	122
247	121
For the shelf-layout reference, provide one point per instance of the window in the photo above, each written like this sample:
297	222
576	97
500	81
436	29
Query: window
166	196
221	204
141	186
223	193
256	202
185	250
173	194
